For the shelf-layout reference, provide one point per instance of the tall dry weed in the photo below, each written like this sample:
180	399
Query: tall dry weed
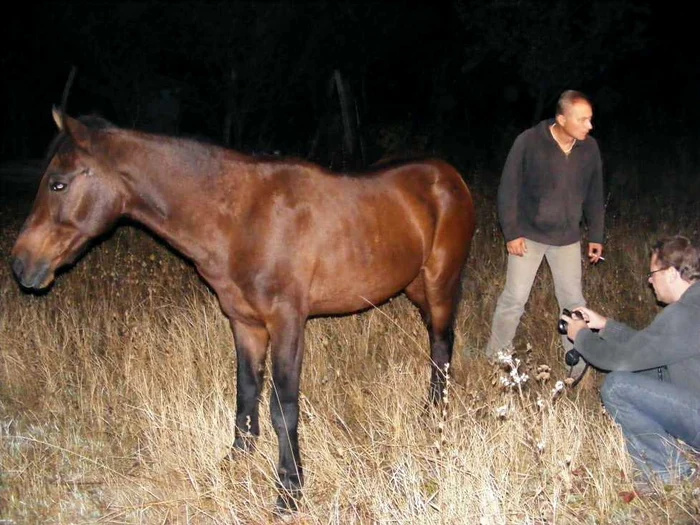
117	399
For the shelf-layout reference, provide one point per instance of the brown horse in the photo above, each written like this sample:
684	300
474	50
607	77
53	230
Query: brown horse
277	240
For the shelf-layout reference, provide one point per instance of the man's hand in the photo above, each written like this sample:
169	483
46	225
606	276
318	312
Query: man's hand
595	251
594	320
574	326
591	319
517	247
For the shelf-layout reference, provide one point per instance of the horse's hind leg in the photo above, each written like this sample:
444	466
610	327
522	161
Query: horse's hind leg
436	293
251	347
443	297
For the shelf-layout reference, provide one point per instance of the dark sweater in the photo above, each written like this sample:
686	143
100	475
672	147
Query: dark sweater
544	194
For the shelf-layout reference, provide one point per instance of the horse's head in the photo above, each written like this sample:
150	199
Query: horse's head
79	198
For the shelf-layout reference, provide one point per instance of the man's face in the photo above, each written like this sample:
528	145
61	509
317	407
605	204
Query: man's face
577	120
659	280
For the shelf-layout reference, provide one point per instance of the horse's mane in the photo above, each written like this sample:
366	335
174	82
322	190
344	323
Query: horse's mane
96	121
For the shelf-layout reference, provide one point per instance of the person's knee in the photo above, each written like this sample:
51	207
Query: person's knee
614	389
570	298
574	300
515	297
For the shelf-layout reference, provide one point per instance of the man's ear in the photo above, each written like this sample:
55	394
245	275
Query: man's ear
560	120
673	274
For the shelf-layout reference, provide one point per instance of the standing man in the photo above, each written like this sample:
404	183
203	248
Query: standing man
652	390
552	178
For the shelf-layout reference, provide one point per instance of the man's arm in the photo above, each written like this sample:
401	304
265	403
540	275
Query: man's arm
509	189
594	203
671	337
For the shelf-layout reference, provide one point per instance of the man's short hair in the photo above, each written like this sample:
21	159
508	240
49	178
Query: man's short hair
568	98
679	252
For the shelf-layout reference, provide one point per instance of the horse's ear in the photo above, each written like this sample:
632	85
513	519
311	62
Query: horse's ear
57	117
75	129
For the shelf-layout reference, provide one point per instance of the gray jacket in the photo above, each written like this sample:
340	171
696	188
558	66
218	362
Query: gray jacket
670	343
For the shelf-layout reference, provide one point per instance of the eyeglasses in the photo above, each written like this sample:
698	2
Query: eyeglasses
654	271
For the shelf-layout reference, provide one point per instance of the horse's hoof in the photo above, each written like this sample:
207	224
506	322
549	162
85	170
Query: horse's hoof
287	503
236	452
244	443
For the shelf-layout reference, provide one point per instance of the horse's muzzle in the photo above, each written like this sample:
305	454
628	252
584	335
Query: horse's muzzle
36	278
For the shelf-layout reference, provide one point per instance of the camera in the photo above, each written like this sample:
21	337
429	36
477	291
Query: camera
562	325
572	356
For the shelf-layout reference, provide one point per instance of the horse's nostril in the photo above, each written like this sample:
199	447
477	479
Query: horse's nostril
17	267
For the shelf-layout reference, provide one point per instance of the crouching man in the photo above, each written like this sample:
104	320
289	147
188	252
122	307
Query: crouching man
653	388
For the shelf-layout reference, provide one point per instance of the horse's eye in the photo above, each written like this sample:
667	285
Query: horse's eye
58	186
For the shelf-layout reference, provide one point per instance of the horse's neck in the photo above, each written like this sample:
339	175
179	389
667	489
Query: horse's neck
171	205
176	190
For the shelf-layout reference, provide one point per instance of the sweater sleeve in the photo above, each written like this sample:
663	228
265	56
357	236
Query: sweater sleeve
618	347
594	203
509	189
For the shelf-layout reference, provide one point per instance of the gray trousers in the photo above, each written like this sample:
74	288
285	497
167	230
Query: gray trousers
565	264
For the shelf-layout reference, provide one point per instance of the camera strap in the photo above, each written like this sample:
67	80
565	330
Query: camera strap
578	379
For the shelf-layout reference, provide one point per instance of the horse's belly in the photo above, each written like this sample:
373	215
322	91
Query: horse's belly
351	288
368	255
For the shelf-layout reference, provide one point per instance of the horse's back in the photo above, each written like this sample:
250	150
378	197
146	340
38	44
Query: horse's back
369	235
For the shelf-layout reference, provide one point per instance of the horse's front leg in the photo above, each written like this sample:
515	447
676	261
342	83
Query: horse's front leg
251	348
287	347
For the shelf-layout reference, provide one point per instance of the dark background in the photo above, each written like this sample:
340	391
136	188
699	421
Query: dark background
346	83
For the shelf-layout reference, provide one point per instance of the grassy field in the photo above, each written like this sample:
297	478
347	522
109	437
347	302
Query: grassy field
117	399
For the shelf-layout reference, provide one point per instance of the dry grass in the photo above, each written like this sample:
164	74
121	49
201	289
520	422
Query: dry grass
117	397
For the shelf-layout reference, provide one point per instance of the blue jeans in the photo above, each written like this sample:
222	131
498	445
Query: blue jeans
565	264
653	414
